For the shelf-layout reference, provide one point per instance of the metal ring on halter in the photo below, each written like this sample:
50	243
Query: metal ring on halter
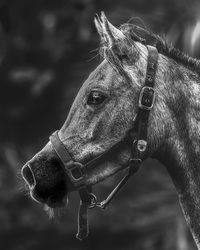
93	200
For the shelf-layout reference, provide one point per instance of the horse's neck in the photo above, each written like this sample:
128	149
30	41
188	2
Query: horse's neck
181	153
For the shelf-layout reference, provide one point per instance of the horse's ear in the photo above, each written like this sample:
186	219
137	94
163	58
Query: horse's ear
108	33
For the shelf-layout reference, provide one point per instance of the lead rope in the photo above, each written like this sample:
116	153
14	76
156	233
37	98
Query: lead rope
85	202
83	225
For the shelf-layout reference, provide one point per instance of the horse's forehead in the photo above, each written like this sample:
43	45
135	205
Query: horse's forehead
101	74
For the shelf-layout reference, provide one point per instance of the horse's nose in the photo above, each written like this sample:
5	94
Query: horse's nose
46	180
28	176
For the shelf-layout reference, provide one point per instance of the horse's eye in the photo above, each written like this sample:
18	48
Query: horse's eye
95	98
123	57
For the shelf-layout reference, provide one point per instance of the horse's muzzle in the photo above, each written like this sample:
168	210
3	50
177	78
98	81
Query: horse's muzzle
46	180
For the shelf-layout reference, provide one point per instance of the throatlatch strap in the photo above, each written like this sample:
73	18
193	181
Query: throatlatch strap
120	185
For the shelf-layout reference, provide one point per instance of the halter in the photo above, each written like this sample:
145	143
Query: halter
136	136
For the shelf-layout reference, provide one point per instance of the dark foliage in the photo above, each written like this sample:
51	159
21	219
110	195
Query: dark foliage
45	56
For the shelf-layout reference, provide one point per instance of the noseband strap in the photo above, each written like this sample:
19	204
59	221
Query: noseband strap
137	135
74	170
76	175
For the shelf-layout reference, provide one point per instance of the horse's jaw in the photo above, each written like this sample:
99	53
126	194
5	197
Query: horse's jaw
101	172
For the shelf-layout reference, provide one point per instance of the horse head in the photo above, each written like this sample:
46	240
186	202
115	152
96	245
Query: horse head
102	114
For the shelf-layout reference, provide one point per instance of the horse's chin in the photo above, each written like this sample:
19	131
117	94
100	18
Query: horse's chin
51	202
54	212
57	204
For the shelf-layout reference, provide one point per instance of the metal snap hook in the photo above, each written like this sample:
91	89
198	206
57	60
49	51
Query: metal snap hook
93	201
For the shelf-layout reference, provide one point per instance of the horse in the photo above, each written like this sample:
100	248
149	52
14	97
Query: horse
91	144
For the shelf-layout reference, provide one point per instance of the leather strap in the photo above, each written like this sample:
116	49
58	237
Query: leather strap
85	201
75	170
83	225
146	100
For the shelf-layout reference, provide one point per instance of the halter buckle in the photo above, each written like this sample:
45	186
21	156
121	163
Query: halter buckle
147	98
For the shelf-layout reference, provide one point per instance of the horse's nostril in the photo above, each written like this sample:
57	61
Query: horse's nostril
28	176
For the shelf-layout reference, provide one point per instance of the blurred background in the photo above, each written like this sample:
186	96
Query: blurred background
47	49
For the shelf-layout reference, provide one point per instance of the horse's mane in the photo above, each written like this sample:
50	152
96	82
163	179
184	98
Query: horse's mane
137	33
